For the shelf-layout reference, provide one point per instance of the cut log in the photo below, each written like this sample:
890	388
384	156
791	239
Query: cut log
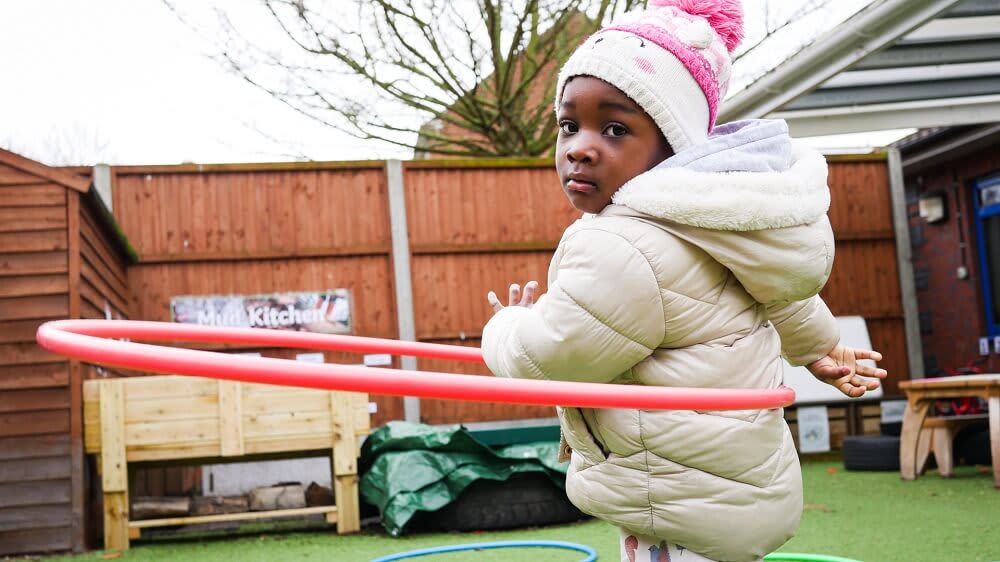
318	495
219	505
286	496
151	507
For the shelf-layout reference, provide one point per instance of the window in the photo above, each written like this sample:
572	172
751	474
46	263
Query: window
987	200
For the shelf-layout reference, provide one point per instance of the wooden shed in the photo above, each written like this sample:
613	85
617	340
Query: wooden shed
60	257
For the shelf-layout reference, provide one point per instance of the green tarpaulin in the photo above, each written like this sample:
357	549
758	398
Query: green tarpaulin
407	467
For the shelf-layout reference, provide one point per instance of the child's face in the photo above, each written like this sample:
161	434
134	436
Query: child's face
605	139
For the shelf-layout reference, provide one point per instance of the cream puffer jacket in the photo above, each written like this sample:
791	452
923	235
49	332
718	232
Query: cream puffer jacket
710	297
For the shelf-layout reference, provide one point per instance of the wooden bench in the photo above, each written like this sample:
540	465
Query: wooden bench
160	419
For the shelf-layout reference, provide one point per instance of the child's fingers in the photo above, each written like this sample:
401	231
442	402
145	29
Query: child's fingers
836	371
851	390
867	384
855	386
869	371
528	296
491	298
514	294
867	354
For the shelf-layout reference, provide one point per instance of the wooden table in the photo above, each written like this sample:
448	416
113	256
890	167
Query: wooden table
920	395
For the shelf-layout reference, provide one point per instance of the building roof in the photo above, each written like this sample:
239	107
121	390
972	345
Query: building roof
928	147
895	64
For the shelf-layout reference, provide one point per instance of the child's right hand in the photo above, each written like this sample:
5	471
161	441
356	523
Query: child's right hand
841	369
516	298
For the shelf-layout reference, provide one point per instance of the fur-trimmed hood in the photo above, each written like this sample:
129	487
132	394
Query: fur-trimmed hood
749	176
751	199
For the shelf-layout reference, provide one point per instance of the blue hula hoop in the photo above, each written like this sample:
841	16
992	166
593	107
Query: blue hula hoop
590	552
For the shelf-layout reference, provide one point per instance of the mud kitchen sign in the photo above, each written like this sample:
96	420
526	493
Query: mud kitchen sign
327	312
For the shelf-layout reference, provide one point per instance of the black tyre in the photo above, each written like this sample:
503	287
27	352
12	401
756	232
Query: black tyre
891	428
972	446
871	452
528	499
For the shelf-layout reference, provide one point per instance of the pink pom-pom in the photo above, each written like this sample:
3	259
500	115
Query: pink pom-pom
725	16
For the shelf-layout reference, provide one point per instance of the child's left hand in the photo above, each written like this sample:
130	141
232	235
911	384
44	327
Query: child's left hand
516	296
841	369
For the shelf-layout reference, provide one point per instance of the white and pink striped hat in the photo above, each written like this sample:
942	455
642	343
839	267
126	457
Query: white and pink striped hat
673	59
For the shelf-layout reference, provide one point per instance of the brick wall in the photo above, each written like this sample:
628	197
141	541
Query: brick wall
952	316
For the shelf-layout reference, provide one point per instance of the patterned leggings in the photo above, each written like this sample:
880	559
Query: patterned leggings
637	548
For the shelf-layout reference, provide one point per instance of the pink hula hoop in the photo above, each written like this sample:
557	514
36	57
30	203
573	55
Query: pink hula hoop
88	341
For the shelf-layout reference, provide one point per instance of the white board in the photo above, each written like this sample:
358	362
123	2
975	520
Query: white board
814	429
808	390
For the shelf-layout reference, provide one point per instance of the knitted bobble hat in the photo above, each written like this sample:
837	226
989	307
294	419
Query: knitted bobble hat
673	59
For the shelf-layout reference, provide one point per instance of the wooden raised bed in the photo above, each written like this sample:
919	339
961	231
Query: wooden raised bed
159	419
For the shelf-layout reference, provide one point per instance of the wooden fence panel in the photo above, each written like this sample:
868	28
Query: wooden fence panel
238	215
449	290
473	230
861	203
488	209
861	280
865	277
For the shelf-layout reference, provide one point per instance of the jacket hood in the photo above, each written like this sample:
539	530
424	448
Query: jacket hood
751	199
749	175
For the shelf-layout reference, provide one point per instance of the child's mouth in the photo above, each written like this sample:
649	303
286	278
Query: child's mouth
581	186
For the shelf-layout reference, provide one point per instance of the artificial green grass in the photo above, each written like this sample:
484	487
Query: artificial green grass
868	516
876	516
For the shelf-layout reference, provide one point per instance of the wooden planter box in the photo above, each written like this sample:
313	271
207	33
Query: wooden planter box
157	419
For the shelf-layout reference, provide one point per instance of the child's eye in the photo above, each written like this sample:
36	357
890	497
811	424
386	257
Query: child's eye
616	130
568	127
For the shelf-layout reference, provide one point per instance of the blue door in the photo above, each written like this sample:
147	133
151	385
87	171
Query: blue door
987	203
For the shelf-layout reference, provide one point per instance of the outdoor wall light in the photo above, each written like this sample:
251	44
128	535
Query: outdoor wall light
932	207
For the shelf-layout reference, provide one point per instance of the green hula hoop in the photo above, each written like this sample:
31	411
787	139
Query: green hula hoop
797	557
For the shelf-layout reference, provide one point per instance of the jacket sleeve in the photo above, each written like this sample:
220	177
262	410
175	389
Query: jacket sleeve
603	313
807	328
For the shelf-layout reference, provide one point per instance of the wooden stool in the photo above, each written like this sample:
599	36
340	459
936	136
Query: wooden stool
940	438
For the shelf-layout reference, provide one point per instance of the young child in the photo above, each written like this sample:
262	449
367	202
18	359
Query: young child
697	265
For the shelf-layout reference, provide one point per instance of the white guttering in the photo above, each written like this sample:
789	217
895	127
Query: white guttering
918	114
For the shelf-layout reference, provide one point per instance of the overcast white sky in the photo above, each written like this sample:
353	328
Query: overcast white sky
125	82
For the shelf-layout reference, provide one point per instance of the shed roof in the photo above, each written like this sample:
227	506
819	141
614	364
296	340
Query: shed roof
895	64
41	170
77	183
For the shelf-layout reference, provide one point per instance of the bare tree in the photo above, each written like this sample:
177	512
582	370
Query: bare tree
448	77
73	144
779	21
466	78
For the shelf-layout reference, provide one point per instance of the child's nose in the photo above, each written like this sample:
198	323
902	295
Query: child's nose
582	151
